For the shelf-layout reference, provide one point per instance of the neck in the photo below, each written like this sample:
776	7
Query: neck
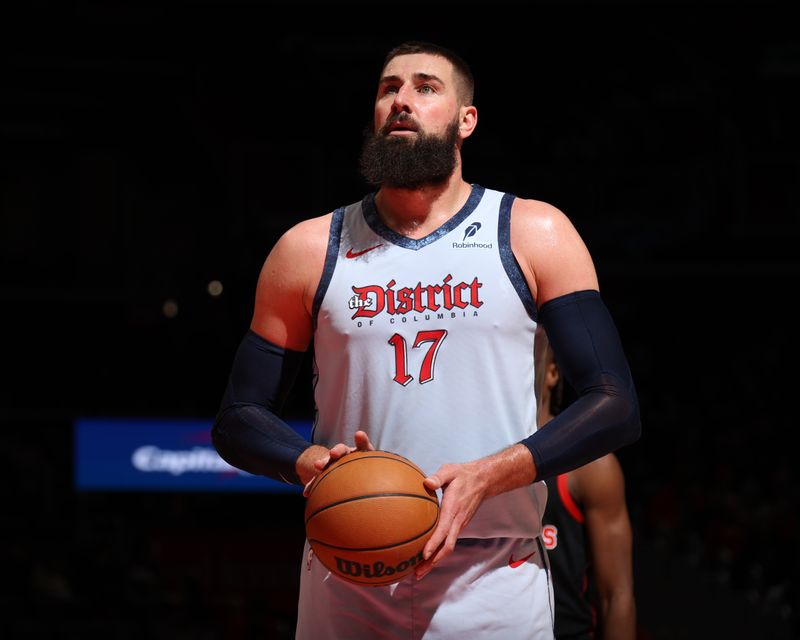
417	212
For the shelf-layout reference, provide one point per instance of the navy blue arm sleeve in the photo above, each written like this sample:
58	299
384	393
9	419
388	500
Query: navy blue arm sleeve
605	414
247	432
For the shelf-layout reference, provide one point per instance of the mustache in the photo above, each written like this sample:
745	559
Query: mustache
398	117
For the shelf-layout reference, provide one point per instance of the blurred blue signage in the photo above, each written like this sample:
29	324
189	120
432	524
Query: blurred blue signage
161	454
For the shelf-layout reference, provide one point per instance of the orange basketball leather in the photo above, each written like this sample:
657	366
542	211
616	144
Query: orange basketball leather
368	517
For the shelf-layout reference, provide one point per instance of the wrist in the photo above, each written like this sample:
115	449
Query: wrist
304	465
509	469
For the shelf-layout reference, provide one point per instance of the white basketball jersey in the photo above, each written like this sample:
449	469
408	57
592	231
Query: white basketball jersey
427	345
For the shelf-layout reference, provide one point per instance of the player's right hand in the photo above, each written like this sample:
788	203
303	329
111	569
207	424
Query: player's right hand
337	451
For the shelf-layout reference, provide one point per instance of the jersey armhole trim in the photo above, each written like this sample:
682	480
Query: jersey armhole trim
508	258
566	497
332	253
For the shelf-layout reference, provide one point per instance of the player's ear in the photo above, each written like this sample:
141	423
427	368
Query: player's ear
468	120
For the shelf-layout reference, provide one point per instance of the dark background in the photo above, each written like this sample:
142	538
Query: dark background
147	150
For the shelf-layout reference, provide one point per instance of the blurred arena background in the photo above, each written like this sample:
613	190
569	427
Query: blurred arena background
152	154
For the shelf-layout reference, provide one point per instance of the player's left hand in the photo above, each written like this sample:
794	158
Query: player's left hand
464	488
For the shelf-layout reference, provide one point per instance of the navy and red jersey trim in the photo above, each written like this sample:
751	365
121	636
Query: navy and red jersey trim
569	502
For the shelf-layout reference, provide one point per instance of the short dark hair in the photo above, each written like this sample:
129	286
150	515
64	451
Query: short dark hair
463	72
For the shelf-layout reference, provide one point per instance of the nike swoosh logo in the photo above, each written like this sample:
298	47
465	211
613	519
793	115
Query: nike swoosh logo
518	563
354	254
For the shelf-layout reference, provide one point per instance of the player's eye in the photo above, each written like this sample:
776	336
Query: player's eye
426	88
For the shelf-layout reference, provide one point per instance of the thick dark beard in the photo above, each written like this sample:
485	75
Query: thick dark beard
403	163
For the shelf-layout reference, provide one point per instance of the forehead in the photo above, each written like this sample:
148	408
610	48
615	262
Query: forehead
406	66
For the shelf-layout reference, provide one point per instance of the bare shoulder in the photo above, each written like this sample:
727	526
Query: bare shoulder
549	250
599	481
288	282
308	237
299	252
607	465
537	214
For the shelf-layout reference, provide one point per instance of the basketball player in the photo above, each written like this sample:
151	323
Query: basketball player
422	300
586	531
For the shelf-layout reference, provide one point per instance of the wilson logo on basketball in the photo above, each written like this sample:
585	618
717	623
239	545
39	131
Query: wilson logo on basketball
372	299
376	569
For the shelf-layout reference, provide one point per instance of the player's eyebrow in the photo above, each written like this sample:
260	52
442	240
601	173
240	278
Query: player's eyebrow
418	76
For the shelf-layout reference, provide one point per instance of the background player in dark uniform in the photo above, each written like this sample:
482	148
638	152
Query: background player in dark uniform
586	529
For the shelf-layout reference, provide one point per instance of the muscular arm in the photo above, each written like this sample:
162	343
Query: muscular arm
287	284
248	432
600	488
556	265
584	338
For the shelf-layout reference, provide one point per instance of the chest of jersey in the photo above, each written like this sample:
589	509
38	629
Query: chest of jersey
427	344
454	280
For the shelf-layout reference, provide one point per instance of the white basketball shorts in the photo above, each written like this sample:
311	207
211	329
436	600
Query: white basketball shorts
486	589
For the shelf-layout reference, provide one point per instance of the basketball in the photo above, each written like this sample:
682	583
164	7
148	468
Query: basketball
368	517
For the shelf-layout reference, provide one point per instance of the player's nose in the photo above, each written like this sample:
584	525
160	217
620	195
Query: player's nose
401	102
